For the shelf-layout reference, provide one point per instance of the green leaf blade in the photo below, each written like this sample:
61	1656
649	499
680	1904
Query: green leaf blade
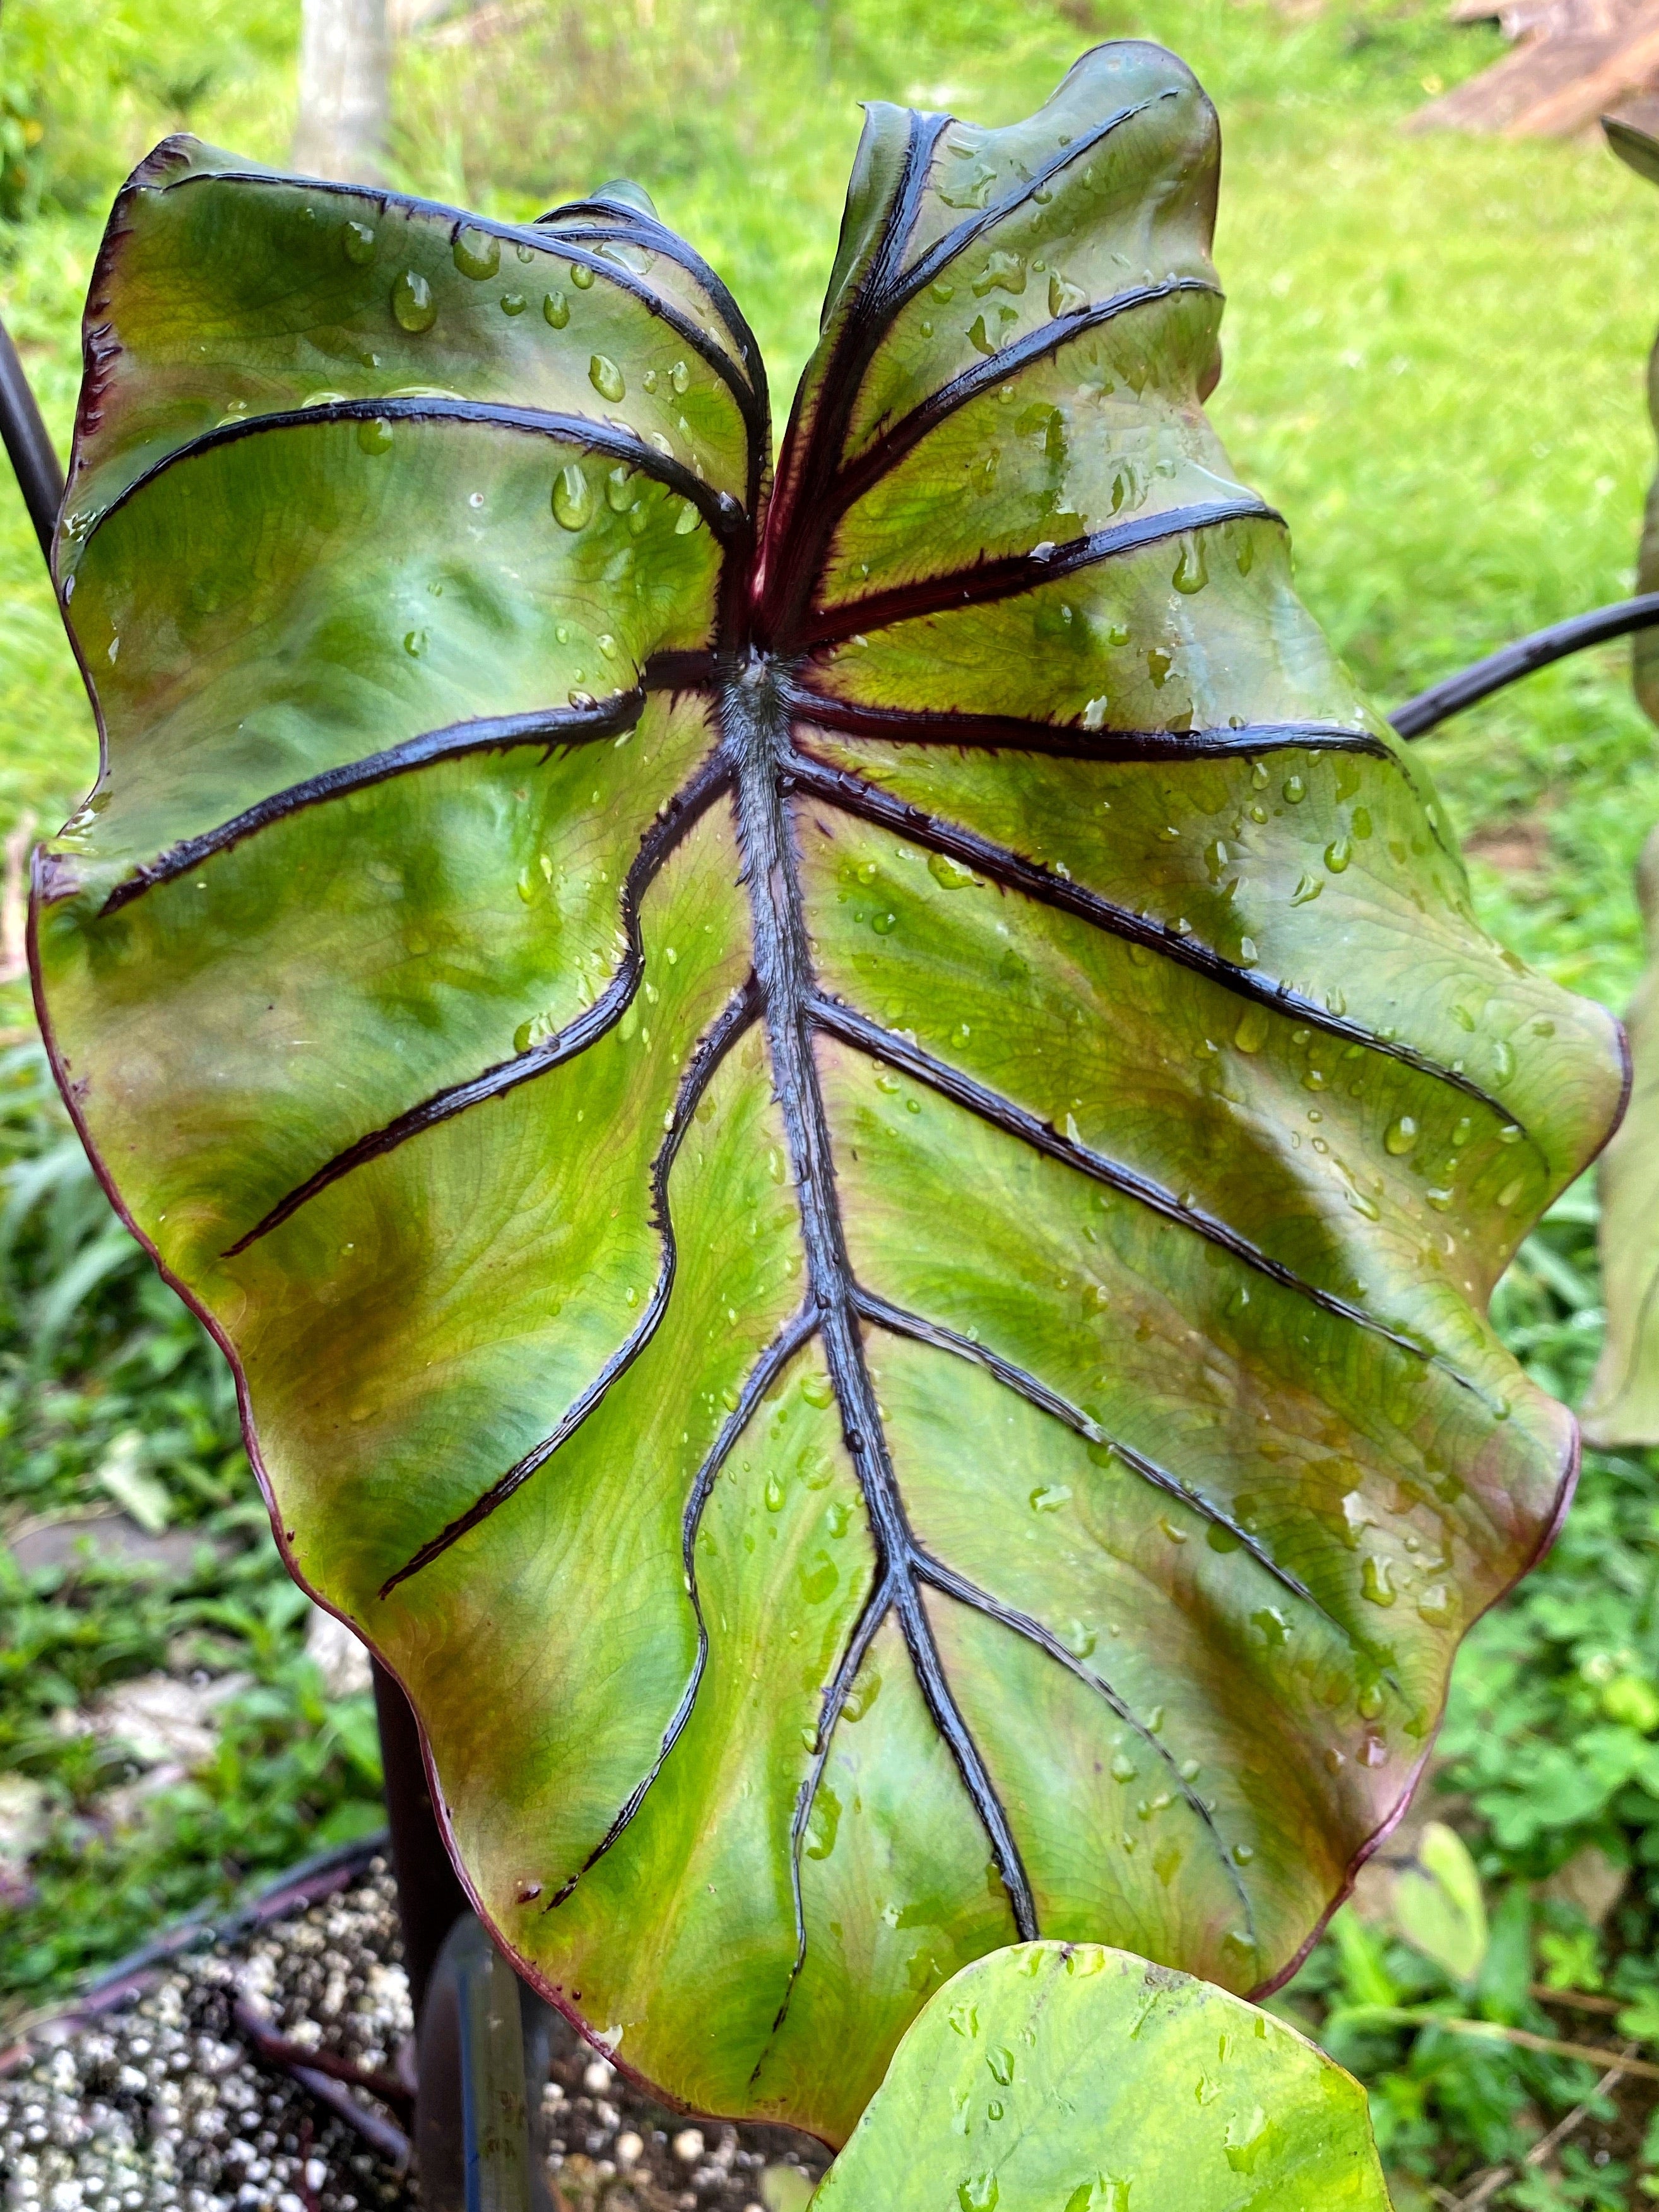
1054	2076
225	293
864	1263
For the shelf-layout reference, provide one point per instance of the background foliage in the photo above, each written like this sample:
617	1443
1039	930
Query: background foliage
1435	350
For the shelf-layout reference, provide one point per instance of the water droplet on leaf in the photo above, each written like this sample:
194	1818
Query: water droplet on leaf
949	875
1249	2139
862	1695
412	303
573	497
476	254
1374	1580
1190	573
1064	298
825	1818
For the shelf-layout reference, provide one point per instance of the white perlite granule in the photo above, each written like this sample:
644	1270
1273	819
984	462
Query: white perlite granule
161	2105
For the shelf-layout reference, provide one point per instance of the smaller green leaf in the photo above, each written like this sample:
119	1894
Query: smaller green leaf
1438	1907
785	2189
1061	2077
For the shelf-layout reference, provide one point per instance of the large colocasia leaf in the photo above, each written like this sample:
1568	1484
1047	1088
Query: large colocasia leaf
850	1144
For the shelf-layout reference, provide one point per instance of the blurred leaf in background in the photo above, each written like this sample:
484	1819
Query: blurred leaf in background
1438	1907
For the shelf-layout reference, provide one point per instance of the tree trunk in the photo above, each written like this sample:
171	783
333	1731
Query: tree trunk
344	90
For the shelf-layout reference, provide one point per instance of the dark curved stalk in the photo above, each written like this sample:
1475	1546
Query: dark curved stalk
1511	662
324	2077
282	2051
33	456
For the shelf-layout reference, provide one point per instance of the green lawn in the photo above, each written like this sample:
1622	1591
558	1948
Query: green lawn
1436	354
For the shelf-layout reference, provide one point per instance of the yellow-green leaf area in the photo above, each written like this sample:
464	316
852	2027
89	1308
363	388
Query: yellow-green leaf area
1051	2078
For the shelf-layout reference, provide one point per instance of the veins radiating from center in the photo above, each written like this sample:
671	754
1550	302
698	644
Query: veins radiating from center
757	740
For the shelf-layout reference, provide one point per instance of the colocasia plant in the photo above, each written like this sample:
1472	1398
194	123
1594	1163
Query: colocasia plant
846	1121
1622	1407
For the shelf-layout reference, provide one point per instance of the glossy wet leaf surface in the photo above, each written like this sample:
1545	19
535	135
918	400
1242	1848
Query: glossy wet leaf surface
1049	2078
850	1142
